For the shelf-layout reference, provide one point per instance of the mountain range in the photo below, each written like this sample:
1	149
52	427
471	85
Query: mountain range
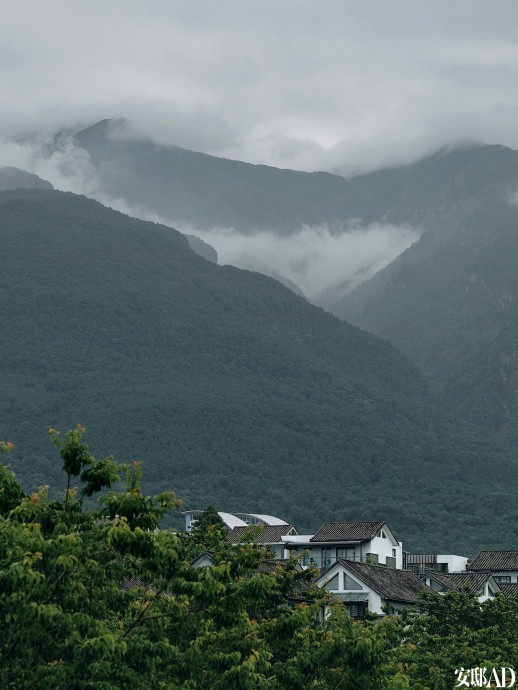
231	389
448	301
205	192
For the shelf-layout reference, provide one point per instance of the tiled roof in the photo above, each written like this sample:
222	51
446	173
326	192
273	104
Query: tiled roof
271	565
473	581
509	589
347	531
391	584
441	578
495	561
268	534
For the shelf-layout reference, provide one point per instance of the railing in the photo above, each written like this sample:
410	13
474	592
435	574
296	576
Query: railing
326	561
422	568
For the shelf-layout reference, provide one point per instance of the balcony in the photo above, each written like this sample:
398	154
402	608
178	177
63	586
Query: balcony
326	561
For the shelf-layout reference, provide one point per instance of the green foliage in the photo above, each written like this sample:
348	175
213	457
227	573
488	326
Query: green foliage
78	462
11	492
455	631
208	531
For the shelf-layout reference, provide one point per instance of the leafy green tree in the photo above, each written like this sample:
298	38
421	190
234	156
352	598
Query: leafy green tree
10	491
208	531
454	631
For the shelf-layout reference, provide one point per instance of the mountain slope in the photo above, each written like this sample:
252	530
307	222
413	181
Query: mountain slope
204	191
233	390
450	302
14	178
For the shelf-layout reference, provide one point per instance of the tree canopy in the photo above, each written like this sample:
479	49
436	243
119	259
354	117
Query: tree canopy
97	597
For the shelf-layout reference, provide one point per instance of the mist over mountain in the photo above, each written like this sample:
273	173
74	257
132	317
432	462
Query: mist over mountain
230	388
320	231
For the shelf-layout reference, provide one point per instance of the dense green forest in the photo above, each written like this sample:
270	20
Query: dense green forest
236	392
100	599
450	303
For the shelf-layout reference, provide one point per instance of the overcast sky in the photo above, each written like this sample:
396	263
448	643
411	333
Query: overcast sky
337	84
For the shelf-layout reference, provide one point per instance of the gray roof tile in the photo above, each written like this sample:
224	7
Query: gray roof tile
495	561
347	531
473	581
509	589
391	584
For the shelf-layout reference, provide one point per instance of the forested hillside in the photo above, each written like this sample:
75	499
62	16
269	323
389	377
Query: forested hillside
237	392
450	302
14	178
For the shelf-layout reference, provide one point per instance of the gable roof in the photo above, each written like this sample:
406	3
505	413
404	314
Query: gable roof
442	578
509	589
389	583
495	560
204	555
267	534
473	581
347	531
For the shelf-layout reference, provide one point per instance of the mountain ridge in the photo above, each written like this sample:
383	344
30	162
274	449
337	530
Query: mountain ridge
204	191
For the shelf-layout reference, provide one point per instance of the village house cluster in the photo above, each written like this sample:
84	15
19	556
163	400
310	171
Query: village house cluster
365	566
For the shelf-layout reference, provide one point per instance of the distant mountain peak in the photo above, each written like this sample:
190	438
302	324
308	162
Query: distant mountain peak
112	127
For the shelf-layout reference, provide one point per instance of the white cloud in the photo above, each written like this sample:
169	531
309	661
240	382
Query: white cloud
342	85
324	264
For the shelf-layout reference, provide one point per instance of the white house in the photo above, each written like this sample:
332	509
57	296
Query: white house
482	584
365	587
503	565
371	542
420	563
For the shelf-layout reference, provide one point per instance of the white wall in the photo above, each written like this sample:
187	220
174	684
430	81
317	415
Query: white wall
456	564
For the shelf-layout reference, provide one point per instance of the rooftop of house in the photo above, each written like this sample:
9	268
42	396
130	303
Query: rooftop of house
474	582
442	578
495	560
509	589
347	531
389	583
261	534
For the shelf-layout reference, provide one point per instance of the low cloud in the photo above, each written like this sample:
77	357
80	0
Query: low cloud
325	265
68	168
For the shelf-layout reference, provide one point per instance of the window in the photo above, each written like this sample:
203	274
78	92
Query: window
326	557
350	583
502	578
307	558
333	583
437	586
357	610
349	553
